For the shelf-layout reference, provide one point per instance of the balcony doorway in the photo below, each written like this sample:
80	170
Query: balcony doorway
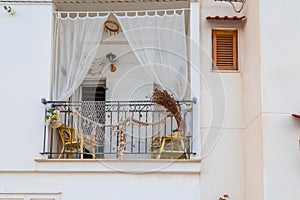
94	92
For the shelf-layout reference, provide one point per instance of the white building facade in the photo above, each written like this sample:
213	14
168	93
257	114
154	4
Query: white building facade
243	142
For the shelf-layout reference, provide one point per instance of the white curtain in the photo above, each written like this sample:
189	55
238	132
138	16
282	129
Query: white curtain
77	40
159	43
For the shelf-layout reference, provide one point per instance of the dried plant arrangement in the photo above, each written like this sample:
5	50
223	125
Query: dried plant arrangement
166	100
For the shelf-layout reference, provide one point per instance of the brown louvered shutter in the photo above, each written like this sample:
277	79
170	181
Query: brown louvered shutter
224	49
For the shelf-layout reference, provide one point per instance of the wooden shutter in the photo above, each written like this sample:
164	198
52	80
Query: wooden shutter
224	49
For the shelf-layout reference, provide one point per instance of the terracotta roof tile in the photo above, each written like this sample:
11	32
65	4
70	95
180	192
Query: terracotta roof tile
226	18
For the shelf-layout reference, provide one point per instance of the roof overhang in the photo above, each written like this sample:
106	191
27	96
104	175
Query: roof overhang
226	18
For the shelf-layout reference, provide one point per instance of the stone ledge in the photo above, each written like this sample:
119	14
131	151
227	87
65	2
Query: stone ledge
119	166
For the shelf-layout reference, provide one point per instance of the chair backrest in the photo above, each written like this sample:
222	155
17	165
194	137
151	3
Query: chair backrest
67	134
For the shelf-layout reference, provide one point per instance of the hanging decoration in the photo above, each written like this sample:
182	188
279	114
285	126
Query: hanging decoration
112	27
113	68
111	58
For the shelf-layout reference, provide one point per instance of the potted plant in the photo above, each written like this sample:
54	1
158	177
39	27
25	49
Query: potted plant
52	118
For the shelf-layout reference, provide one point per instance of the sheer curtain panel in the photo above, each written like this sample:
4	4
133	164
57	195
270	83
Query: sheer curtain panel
77	40
159	43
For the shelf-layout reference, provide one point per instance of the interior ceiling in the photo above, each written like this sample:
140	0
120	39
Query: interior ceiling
121	5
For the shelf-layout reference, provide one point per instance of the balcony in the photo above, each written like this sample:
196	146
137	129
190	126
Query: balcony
117	130
127	65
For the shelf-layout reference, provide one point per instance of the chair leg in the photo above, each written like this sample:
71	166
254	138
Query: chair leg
61	152
162	146
70	155
185	153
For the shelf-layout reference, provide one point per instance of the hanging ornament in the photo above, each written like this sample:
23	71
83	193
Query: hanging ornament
111	26
113	68
111	58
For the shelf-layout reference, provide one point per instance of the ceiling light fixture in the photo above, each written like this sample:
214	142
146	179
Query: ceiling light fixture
111	58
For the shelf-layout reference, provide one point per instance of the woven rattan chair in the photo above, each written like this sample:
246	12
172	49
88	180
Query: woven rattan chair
70	143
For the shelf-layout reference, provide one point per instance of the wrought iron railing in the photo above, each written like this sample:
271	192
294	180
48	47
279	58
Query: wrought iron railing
116	129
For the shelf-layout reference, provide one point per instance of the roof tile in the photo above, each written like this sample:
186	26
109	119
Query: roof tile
226	18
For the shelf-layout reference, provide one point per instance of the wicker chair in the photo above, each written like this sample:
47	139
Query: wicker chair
70	143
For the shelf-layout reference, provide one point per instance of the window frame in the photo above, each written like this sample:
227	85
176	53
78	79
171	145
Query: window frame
225	31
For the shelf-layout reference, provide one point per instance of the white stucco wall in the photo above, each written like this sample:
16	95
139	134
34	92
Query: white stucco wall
266	97
104	186
280	30
25	51
252	97
221	115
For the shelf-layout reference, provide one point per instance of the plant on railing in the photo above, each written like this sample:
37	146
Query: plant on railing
224	197
52	118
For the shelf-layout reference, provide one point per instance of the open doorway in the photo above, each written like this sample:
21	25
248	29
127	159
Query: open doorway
94	92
